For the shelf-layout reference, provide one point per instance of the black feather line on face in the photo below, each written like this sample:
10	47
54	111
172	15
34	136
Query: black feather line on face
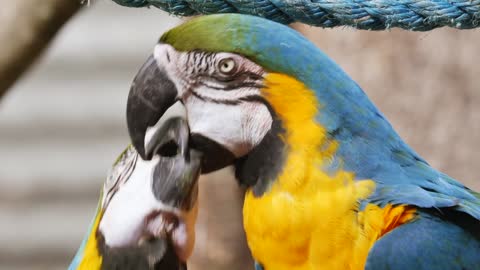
240	76
231	82
235	85
216	101
259	99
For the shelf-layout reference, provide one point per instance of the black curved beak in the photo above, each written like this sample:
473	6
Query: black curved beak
152	93
158	127
149	115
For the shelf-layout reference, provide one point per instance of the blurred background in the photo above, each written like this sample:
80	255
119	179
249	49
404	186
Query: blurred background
63	124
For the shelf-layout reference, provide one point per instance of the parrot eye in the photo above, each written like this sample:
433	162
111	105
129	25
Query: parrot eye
227	66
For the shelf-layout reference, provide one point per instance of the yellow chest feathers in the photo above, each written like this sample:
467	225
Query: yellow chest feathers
309	219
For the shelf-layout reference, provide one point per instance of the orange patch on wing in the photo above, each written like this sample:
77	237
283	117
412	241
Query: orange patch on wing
383	220
396	216
377	222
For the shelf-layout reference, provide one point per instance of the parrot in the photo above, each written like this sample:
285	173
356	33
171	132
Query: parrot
329	183
146	214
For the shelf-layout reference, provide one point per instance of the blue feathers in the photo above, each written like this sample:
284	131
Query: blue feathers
258	266
429	242
402	177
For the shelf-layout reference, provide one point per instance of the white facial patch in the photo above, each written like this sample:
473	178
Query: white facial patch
219	106
238	128
124	221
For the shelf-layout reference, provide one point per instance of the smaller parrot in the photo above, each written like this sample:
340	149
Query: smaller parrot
147	210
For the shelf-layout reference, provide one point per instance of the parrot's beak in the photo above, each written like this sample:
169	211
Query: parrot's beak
154	96
152	93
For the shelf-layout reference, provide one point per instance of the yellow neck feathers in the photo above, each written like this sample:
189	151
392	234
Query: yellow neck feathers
91	259
309	219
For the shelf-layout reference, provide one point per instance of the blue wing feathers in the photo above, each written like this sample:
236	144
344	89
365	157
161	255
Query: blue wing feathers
371	148
430	242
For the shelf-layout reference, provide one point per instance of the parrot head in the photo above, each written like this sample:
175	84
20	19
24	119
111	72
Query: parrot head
245	83
147	211
219	91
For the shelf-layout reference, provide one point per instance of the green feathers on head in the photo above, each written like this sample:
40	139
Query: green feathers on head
210	33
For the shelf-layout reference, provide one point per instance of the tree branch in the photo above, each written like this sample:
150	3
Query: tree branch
27	27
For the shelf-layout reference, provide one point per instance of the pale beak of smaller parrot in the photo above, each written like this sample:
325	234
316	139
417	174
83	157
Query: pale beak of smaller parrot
176	174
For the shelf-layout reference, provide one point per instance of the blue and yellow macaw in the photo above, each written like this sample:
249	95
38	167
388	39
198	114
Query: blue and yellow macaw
330	184
147	210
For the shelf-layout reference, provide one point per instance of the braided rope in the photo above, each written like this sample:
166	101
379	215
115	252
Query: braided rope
416	15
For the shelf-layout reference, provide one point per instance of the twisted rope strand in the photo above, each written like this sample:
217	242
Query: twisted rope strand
415	15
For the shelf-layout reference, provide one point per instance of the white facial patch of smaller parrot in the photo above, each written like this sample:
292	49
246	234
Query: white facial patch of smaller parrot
133	214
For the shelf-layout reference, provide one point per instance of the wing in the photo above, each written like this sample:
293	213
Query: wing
370	147
373	150
415	182
449	242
